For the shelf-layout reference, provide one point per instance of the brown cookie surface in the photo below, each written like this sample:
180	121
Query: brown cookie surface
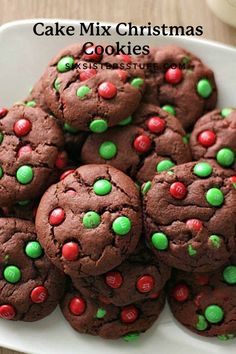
90	221
30	286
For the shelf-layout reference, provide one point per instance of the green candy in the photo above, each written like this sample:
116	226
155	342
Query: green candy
102	187
24	174
202	169
186	138
98	126
204	88
214	313
229	274
1	137
137	82
131	337
202	323
214	197
31	104
33	249
225	157
23	202
91	220
107	150
65	64
1	172
164	165
126	121
12	274
68	128
160	241
225	112
101	313
215	241
225	336
146	187
191	251
83	91
169	109
121	225
57	84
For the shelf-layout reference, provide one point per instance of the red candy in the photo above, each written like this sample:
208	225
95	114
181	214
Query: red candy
154	296
77	306
129	314
145	284
173	76
142	143
125	57
7	312
114	280
233	179
3	112
65	174
194	224
180	292
56	216
201	279
87	74
123	75
70	251
178	190
22	127
197	299
207	138
107	90
93	55
61	160
23	150
156	125
39	294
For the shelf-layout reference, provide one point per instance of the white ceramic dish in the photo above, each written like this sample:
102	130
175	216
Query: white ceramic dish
22	60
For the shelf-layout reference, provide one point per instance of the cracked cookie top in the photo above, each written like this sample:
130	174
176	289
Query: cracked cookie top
30	286
214	137
153	143
109	321
139	277
180	83
205	303
80	90
30	141
189	216
90	221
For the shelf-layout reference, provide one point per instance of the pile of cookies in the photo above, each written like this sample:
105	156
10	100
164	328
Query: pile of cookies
118	188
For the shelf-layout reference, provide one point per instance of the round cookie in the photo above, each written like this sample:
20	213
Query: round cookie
90	221
180	83
110	321
138	278
189	216
205	303
30	143
154	142
80	90
213	137
30	286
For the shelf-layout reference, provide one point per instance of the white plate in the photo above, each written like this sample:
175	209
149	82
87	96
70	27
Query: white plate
22	60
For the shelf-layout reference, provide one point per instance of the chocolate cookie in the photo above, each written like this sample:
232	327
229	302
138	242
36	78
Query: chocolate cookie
36	97
213	137
80	90
110	321
189	216
154	142
23	210
90	221
205	303
138	278
30	286
180	83
30	141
